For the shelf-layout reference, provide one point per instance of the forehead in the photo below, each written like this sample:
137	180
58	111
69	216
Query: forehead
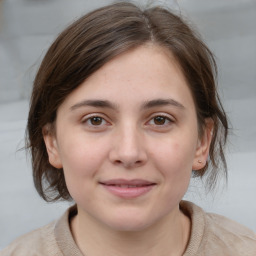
140	74
144	63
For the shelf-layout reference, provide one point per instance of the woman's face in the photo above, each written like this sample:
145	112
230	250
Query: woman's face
127	139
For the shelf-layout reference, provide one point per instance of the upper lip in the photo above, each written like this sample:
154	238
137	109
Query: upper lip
127	182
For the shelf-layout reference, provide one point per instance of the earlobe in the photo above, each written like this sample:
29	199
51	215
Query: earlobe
52	147
203	146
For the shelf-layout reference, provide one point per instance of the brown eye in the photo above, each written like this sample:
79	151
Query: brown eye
96	120
95	123
159	120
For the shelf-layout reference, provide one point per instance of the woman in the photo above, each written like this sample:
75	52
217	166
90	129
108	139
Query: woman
124	111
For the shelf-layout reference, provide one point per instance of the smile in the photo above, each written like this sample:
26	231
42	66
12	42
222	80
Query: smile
128	189
129	186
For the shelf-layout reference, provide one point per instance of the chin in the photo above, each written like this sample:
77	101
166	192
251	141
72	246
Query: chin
129	223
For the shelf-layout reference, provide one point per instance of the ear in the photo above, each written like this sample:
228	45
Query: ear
52	146
203	145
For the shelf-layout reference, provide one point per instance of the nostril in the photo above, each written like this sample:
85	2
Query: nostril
128	164
127	159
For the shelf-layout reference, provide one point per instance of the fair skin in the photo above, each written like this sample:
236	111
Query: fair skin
127	140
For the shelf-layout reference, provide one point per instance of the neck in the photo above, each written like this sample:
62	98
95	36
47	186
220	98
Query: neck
168	237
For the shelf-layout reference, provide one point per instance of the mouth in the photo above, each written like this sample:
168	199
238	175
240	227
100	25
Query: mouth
128	189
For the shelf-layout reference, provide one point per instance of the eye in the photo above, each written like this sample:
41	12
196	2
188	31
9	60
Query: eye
160	120
94	121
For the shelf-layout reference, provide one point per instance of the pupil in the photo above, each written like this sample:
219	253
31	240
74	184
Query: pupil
96	120
159	120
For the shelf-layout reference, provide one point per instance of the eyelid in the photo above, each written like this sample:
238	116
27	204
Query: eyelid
89	116
94	114
170	119
168	116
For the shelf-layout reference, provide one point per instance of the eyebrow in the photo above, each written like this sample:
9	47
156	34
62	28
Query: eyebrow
94	103
145	105
162	102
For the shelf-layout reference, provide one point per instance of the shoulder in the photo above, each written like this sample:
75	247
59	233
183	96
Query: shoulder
213	234
38	242
227	233
52	239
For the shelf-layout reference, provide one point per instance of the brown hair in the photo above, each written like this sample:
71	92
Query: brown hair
90	42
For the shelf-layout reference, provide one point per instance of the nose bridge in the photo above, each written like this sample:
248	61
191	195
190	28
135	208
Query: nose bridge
128	147
130	139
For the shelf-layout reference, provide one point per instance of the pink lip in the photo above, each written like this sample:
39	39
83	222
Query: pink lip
128	188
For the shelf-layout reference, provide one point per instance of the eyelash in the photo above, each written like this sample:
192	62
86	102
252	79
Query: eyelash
166	118
88	121
90	118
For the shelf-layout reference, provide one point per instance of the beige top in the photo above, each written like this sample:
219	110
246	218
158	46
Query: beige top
211	235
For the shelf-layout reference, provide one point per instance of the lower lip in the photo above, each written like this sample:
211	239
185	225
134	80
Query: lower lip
128	193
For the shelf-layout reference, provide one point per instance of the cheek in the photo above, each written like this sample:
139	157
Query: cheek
174	159
80	168
81	161
173	162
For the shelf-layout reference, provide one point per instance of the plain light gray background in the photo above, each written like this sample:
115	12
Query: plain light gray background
28	27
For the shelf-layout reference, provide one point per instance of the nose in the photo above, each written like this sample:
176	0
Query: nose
128	148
